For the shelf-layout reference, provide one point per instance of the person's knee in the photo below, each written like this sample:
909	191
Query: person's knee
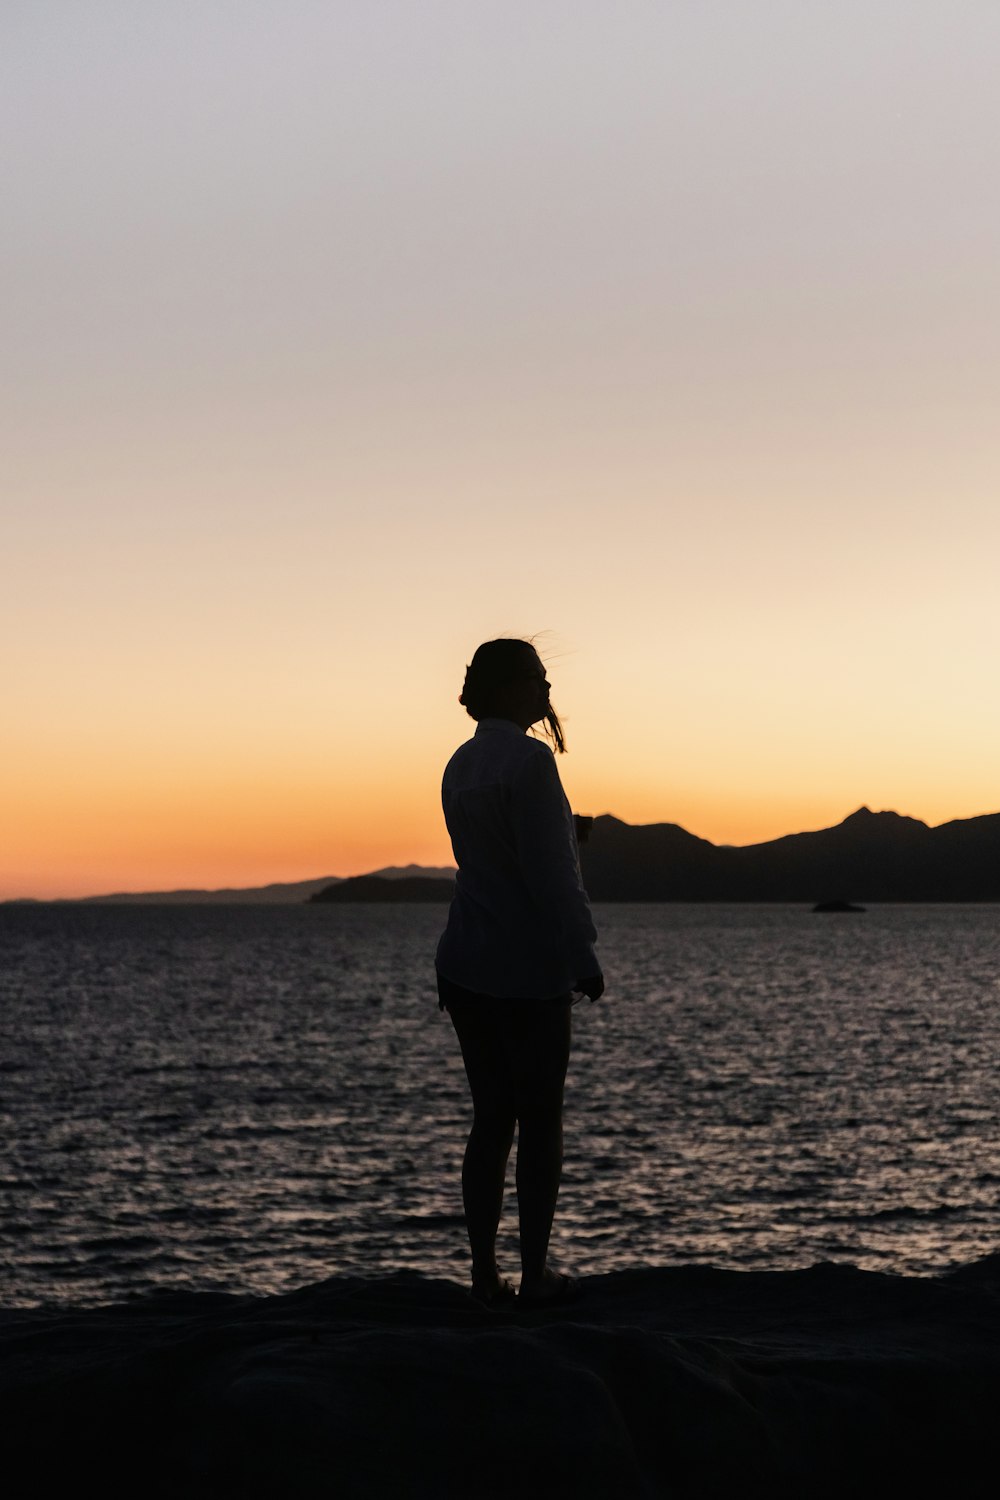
494	1126
539	1099
540	1123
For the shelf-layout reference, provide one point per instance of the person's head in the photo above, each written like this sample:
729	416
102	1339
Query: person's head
506	680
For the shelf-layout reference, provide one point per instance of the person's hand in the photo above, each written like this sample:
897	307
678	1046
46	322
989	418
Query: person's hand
592	986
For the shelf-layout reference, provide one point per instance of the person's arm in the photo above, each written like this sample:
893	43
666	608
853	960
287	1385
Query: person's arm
549	861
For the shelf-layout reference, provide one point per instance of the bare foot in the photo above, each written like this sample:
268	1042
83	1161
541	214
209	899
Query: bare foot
550	1287
494	1291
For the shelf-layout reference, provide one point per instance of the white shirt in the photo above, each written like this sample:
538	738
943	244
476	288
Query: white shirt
520	924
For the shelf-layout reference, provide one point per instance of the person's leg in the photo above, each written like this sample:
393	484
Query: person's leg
539	1058
491	1136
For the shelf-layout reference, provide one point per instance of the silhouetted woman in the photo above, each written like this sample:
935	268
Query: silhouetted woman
520	938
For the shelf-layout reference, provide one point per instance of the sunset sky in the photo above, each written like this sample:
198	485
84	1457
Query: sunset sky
339	337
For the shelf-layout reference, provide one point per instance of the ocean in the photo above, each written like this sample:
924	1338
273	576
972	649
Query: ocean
255	1098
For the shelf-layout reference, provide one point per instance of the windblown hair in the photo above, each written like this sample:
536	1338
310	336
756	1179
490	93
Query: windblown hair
494	665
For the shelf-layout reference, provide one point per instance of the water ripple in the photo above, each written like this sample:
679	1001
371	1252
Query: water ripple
251	1098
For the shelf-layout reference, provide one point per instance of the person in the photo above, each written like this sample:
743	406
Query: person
519	940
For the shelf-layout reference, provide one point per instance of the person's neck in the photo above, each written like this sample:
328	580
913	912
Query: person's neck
507	719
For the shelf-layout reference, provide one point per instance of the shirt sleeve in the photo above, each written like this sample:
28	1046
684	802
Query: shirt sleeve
550	864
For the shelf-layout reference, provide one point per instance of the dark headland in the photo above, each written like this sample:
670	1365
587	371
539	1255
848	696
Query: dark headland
868	857
276	894
377	888
687	1382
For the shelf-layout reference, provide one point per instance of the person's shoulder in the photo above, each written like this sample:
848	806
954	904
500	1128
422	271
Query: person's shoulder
482	750
500	752
520	750
534	762
533	749
466	750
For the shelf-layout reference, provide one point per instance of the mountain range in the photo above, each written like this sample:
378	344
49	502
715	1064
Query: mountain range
264	895
422	887
868	857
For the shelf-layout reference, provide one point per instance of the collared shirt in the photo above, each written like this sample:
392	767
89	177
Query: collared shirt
520	922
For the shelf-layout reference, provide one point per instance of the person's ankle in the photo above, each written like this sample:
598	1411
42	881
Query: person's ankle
533	1281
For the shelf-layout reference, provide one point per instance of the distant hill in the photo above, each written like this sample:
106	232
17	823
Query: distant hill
410	888
256	895
264	895
868	857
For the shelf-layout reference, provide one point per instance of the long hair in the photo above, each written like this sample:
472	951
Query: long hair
494	665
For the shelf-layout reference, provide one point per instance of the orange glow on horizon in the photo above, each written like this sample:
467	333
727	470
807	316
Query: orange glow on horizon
639	332
212	842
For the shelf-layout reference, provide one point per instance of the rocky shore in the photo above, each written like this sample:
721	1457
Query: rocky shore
685	1382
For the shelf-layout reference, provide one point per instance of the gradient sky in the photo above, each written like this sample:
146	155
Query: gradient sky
339	337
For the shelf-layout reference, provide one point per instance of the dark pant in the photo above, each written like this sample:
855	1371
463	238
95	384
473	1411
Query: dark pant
510	1046
515	1053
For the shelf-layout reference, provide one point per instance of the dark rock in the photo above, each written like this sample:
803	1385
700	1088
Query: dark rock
685	1382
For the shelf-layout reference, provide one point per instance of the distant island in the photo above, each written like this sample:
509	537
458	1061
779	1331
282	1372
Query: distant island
869	857
276	894
408	888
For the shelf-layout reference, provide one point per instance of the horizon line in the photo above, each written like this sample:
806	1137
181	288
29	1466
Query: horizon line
193	890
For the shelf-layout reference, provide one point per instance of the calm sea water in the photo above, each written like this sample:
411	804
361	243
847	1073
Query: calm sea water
255	1098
